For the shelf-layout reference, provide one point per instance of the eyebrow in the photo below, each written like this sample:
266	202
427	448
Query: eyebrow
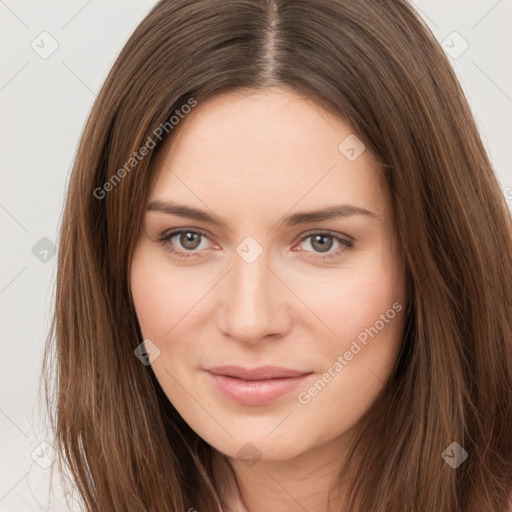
329	212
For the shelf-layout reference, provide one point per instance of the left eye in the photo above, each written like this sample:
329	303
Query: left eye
323	242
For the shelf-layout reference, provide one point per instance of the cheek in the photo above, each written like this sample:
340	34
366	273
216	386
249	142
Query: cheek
367	317
162	295
152	300
362	296
367	312
355	368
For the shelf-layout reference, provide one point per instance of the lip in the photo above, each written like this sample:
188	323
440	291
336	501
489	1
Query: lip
255	386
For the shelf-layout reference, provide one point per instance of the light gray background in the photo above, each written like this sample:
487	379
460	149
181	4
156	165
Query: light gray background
44	104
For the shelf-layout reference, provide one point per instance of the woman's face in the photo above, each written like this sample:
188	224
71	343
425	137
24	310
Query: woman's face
257	280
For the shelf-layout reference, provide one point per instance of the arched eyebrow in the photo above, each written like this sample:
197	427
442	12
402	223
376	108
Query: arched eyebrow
327	213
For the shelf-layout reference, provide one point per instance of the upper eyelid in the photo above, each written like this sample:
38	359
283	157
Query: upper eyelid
327	232
173	232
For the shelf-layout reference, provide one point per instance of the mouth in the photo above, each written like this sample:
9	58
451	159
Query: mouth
257	386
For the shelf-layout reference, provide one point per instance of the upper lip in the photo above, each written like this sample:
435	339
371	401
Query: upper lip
260	373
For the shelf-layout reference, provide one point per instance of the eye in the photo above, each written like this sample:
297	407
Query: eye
189	242
323	242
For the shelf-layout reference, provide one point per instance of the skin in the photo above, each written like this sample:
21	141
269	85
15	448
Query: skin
250	158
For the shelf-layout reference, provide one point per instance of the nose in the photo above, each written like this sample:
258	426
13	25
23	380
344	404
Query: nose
254	302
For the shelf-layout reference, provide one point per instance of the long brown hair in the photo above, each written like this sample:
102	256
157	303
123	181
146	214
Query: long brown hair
376	65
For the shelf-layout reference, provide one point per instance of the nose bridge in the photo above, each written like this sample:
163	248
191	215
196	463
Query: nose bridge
251	309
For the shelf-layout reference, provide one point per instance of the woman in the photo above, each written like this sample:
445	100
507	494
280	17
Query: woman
284	271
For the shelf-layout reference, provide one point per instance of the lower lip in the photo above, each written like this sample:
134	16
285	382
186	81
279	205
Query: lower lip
255	392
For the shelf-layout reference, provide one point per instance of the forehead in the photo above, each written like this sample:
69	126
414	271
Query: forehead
265	151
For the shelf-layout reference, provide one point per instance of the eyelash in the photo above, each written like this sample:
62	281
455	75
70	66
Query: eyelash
346	245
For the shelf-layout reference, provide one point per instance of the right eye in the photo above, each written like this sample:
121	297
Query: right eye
188	241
